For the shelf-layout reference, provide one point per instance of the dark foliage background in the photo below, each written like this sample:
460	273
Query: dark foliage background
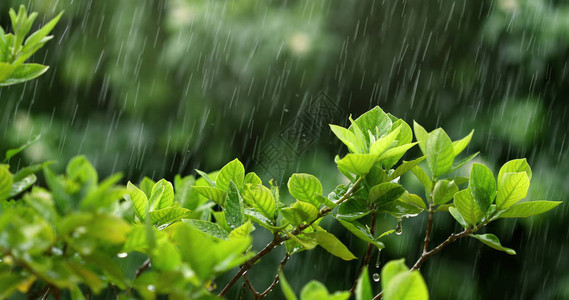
160	87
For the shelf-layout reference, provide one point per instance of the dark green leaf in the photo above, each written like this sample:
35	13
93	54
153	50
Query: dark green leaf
234	214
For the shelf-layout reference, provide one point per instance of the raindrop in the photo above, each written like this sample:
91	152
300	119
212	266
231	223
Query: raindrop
376	277
151	288
377	259
399	227
122	255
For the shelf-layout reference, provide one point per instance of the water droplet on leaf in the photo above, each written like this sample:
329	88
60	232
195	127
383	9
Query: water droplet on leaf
399	227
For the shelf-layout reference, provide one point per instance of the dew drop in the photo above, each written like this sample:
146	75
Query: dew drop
377	259
375	277
122	255
399	227
151	288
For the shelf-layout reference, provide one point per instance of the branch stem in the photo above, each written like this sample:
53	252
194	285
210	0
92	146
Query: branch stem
367	257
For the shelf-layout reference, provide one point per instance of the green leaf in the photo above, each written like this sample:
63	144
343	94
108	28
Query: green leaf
257	217
6	70
6	182
466	205
457	216
482	186
242	231
405	167
234	214
81	170
386	192
423	178
528	209
168	215
493	242
461	144
513	188
22	185
514	166
23	73
385	142
400	208
209	228
334	246
363	287
315	290
10	153
358	164
440	153
300	212
252	178
375	121
352	209
214	194
392	269
404	137
361	232
444	191
347	137
287	290
407	286
146	186
261	199
162	195
205	176
9	283
464	161
233	171
395	152
305	187
139	200
421	136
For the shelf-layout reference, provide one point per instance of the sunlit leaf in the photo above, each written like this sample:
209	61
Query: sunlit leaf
482	186
439	151
528	209
513	188
493	242
233	171
305	187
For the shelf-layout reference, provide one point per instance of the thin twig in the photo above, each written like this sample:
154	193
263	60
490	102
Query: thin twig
428	231
250	286
278	240
46	293
276	280
367	257
142	268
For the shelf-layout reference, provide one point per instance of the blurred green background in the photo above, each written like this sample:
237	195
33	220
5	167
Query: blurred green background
160	87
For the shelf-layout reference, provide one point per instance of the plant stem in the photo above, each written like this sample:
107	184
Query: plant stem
278	240
428	231
367	257
276	280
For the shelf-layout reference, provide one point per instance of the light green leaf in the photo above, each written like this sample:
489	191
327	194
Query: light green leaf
252	178
6	70
234	214
375	121
139	200
386	192
332	244
23	73
352	209
400	208
346	136
162	195
493	242
405	167
10	153
233	171
242	231
363	287
421	136
6	182
444	191
209	228
514	166
482	186
146	186
404	137
462	143
305	187
423	178
457	216
361	232
168	215
261	199
528	209
513	188
22	185
80	169
407	286
214	194
395	152
206	177
392	269
285	287
440	153
464	161
466	205
385	142
358	164
314	290
300	212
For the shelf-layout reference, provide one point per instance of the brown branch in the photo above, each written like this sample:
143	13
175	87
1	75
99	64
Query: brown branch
278	240
367	257
142	268
276	280
428	231
250	286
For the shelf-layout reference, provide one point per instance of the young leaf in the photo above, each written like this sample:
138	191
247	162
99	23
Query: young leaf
300	212
214	194
363	287
464	161
234	213
252	178
305	187
361	232
287	290
10	153
513	188
261	199
168	215
22	185
514	166
162	195
80	169
493	242
385	192
407	286
482	186
358	164
423	178
242	231
205	176
375	121
394	152
6	182
146	186
528	209
440	153
462	143
392	269
139	200
209	228
457	216
444	191
385	142
405	167
466	205
421	136
352	209
233	171
329	242
404	137
23	73
347	137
